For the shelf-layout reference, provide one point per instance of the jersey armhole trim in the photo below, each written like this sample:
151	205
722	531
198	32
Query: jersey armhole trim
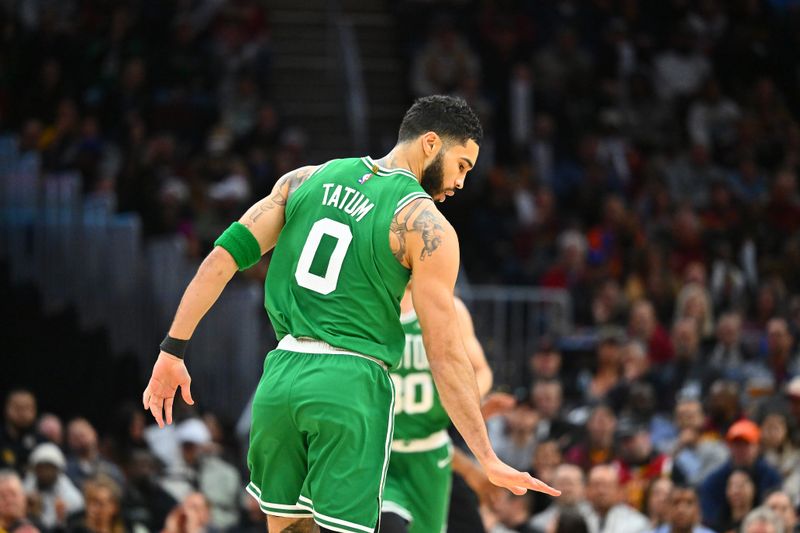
407	199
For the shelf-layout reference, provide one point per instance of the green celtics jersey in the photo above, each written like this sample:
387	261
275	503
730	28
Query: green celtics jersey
333	276
418	411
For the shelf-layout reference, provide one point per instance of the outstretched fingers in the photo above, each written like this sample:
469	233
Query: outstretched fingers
540	486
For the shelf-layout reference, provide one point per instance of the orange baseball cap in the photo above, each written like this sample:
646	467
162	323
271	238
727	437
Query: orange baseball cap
745	430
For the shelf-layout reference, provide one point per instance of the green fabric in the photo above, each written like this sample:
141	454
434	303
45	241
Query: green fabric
418	488
418	409
321	437
332	276
241	244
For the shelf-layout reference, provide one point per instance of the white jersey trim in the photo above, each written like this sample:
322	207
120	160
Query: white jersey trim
431	442
410	198
399	510
313	346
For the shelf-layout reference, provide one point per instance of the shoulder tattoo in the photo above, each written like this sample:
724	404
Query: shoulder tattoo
284	187
422	219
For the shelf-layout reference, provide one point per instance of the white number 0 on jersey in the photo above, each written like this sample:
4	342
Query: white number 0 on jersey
323	284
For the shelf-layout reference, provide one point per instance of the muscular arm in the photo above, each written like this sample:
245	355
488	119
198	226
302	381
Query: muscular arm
424	240
265	220
483	373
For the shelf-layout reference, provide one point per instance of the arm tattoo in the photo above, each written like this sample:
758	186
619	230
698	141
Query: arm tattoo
293	179
426	223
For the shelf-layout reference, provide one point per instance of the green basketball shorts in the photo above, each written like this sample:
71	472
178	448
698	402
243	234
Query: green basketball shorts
321	435
418	483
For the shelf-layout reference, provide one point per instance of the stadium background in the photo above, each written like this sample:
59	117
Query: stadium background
634	208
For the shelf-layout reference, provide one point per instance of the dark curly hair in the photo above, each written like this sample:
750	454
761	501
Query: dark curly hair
449	117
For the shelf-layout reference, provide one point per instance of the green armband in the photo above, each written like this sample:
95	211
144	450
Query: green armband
241	244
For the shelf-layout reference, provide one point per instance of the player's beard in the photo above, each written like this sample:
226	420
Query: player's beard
432	179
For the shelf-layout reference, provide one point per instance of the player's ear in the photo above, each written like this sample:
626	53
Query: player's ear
431	144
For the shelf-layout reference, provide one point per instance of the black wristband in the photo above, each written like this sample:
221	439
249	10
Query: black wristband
174	346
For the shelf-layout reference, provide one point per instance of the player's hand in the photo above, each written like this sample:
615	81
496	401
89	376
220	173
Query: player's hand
497	403
517	482
169	373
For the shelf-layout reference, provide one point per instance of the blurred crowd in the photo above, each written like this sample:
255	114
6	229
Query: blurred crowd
644	156
641	154
62	476
163	106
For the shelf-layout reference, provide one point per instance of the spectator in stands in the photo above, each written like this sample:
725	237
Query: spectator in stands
609	307
443	61
607	372
695	453
729	353
762	520
126	435
218	481
681	70
781	359
712	118
739	501
644	327
548	398
85	460
18	434
569	521
780	451
13	505
780	503
657	506
683	512
609	514
55	495
598	446
688	373
103	508
562	67
51	429
545	363
636	371
193	515
570	270
513	435
694	301
743	441
724	407
145	501
689	177
571	483
512	513
638	463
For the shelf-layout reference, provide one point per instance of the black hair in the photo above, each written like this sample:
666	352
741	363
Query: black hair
450	117
570	520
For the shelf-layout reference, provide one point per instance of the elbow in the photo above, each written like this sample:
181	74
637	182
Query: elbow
218	264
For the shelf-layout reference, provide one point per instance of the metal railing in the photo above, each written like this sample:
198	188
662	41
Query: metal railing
510	320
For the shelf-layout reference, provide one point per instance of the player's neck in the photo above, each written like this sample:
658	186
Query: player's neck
400	157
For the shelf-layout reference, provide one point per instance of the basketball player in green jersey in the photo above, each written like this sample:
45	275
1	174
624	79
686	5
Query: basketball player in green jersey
347	235
417	493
